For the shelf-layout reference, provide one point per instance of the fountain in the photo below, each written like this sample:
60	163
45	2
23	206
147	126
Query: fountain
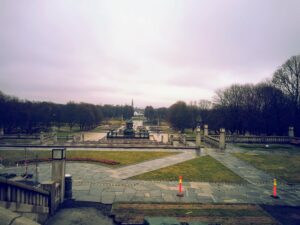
128	133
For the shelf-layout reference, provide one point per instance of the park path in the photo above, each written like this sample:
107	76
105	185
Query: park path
133	170
95	183
242	168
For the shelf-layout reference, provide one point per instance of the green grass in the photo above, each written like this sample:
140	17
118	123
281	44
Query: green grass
123	157
205	169
284	148
280	166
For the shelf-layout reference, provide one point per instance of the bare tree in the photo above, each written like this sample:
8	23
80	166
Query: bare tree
204	104
287	78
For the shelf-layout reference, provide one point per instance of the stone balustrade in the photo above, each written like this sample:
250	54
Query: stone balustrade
16	195
11	191
255	139
213	141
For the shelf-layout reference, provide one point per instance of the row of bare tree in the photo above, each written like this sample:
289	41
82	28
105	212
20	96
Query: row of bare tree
265	108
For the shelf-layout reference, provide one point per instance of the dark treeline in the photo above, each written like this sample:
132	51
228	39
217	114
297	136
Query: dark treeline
266	108
30	117
154	115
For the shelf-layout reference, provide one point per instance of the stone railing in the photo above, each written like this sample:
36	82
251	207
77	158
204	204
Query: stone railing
43	200
20	136
212	140
255	139
14	192
295	141
48	137
65	138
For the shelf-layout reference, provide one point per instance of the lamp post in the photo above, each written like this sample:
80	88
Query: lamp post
59	168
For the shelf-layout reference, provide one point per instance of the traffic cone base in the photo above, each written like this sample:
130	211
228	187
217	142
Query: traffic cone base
276	197
180	194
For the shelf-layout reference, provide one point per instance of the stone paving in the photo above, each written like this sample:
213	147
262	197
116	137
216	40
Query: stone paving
93	136
240	167
96	183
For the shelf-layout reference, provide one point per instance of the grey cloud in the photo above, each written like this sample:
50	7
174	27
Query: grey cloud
82	50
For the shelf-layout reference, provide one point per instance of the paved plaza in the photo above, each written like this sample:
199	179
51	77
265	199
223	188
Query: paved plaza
96	183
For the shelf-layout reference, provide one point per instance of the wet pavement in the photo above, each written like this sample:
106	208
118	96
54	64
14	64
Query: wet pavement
96	183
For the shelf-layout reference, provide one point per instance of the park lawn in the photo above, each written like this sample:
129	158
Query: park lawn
286	167
284	148
124	158
204	169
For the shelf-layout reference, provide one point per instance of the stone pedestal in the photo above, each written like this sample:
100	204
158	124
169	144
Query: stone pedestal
198	137
291	132
205	130
222	139
50	186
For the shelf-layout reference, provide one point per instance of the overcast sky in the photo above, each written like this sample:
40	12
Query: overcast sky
156	52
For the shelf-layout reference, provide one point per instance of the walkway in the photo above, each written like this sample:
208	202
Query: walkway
133	170
242	168
95	183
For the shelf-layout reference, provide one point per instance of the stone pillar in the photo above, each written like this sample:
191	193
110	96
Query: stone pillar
205	130
184	139
74	138
291	132
222	139
162	138
42	137
171	139
58	175
1	131
54	134
198	137
50	186
82	137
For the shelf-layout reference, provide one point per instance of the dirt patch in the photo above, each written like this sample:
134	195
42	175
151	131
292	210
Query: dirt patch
210	213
